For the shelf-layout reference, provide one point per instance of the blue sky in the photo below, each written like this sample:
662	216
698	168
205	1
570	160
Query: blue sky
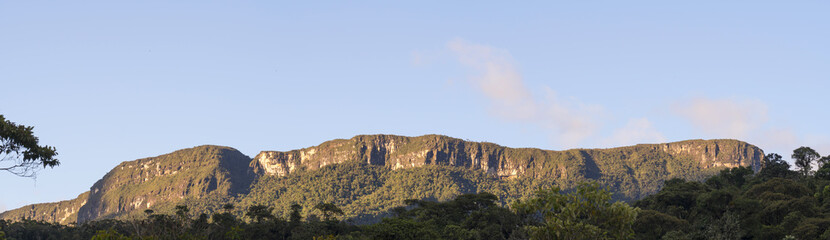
107	82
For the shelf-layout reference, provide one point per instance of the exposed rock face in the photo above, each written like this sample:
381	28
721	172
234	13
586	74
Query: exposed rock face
63	212
189	173
131	186
402	152
718	153
216	173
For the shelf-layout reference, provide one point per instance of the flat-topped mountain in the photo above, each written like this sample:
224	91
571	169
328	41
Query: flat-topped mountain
368	175
395	152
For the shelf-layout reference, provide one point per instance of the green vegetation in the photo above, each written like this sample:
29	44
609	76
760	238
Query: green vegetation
469	216
204	172
366	187
364	176
630	172
366	192
207	175
586	213
739	204
20	153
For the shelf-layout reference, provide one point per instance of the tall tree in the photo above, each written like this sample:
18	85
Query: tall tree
260	212
804	158
586	213
328	209
20	153
295	217
775	166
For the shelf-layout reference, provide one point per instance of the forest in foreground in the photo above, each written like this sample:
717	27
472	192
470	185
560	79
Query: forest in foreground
737	203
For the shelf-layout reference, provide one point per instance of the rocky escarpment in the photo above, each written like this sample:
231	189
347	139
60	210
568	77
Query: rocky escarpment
198	172
63	212
397	152
206	177
157	182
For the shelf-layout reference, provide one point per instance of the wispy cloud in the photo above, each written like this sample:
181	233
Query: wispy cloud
572	123
775	140
744	119
724	118
636	131
497	77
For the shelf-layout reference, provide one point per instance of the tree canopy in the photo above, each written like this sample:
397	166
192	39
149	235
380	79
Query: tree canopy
20	153
804	158
587	213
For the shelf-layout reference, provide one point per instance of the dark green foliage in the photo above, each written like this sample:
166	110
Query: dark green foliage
295	216
823	161
443	201
469	216
400	228
731	177
203	177
20	153
367	176
737	204
328	210
652	224
260	213
160	226
365	192
775	167
804	158
587	213
777	189
181	211
630	172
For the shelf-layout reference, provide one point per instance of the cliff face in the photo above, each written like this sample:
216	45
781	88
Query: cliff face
198	172
631	172
63	212
397	152
206	176
718	153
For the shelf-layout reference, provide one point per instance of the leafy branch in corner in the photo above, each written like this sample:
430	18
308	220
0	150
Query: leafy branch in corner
20	153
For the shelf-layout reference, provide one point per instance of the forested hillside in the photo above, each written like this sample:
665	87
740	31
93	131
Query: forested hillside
151	183
368	176
737	203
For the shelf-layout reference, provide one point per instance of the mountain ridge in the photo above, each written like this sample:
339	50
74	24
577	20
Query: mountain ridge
223	174
439	149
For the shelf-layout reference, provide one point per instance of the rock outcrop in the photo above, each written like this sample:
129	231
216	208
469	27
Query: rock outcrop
215	174
397	152
63	212
198	172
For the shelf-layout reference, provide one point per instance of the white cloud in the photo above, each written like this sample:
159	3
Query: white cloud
636	131
724	118
498	79
780	141
745	120
572	123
